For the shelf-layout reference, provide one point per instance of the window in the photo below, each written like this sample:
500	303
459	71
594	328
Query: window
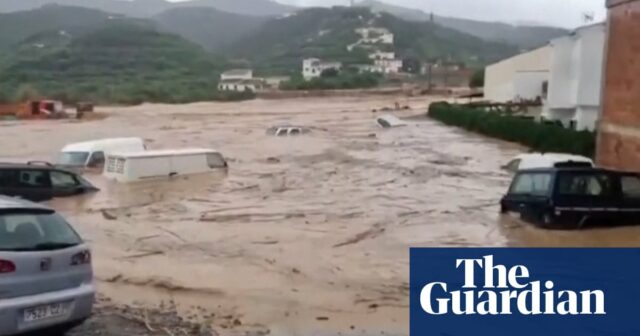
216	161
585	185
630	186
97	159
63	180
28	230
294	131
8	178
73	158
33	179
532	184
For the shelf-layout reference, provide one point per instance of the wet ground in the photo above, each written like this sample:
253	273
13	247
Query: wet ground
306	235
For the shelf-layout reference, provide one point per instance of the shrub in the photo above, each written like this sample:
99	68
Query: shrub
540	137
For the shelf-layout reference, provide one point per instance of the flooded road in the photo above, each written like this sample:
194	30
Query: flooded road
304	235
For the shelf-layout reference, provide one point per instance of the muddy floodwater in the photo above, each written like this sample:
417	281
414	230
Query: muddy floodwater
304	235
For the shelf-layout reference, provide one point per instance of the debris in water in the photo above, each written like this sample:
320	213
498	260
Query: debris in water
322	318
108	215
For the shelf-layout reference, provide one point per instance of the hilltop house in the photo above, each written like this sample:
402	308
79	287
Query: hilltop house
240	80
313	67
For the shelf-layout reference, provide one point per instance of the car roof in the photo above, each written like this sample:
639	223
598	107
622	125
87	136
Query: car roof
572	169
16	165
88	146
12	203
553	157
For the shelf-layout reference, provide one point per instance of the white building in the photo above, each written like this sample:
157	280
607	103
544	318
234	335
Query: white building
237	74
522	77
389	66
382	55
576	77
241	85
313	67
374	35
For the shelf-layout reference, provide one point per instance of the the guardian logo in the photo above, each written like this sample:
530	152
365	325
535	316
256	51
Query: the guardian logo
491	289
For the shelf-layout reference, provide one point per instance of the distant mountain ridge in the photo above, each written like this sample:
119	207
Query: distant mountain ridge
523	36
148	8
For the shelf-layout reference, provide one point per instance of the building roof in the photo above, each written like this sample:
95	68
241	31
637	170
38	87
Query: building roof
254	81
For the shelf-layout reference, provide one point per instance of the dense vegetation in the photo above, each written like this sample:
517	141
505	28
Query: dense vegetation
121	63
540	137
334	81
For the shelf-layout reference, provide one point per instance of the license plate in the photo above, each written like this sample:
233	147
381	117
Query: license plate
44	312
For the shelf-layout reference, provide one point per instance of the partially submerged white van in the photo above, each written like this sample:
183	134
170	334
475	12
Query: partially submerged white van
132	167
546	160
92	154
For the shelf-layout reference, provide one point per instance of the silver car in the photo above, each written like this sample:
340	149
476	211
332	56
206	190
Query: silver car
46	278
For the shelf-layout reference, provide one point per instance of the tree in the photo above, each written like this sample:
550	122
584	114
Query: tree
329	73
477	79
26	93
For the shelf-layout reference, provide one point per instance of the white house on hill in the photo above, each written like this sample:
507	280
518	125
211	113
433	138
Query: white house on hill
576	77
240	80
313	67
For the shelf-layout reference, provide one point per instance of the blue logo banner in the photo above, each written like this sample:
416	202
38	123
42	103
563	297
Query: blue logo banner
525	292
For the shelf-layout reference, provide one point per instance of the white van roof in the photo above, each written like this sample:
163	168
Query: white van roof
164	152
89	146
390	120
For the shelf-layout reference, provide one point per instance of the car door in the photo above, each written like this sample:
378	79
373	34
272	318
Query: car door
34	185
9	182
64	184
587	196
630	205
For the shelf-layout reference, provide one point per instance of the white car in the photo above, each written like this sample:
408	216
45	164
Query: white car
547	160
281	131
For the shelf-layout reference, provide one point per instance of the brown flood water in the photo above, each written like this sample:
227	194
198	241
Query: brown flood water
300	228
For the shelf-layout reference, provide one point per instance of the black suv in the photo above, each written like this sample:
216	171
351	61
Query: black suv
568	198
40	182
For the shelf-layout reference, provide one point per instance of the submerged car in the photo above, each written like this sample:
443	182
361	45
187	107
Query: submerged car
41	182
286	130
569	198
390	121
46	277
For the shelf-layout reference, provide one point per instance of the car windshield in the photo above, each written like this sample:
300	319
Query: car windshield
73	158
35	231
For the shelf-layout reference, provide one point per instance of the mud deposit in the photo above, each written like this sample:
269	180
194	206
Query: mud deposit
305	235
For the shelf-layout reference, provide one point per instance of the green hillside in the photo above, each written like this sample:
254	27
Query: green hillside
208	27
16	27
281	44
122	63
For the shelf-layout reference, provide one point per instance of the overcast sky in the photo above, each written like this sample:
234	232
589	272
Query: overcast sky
564	13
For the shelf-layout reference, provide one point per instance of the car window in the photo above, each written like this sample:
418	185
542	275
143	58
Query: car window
215	160
630	186
294	131
532	184
28	230
8	178
281	132
73	158
63	180
97	159
585	185
33	179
